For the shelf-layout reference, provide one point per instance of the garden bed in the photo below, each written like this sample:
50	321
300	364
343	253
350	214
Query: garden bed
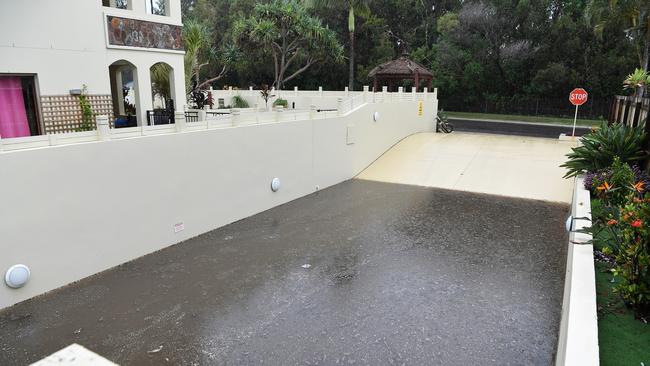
618	191
623	340
624	337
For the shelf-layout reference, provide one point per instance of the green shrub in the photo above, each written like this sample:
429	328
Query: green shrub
87	115
631	250
239	102
282	102
613	185
599	148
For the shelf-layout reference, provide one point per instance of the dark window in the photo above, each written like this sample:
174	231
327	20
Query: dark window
119	4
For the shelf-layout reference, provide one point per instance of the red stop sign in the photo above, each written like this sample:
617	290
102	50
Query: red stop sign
578	96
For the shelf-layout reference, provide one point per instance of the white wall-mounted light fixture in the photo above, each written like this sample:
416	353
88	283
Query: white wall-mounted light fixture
376	116
569	224
17	276
275	184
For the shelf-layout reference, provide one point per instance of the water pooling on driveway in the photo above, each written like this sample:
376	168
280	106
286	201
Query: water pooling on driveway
363	273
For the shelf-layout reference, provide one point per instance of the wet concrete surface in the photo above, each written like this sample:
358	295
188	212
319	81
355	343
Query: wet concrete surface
399	275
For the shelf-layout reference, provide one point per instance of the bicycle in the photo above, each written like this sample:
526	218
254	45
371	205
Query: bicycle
443	124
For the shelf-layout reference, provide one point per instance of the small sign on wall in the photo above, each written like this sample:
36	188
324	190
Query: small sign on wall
179	227
420	108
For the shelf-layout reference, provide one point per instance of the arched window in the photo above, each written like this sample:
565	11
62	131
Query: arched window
124	89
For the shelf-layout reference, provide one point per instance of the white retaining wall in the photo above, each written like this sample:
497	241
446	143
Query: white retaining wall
578	339
69	211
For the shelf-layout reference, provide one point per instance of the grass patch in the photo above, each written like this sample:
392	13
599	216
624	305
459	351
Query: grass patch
533	119
622	339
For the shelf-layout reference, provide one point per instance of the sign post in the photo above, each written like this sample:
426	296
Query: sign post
577	97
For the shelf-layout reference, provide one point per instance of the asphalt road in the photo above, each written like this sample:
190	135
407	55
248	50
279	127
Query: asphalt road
363	273
515	128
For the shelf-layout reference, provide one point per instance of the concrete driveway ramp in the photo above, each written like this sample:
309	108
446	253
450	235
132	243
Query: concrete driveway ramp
513	166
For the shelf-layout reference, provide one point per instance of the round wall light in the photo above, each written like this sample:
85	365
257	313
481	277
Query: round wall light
17	276
568	225
376	116
275	184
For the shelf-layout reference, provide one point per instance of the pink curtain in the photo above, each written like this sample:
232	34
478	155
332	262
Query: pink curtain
13	116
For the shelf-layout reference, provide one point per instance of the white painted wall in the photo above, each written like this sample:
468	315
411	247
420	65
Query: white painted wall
64	43
71	211
578	339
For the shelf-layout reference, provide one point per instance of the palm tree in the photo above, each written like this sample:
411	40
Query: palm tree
353	7
196	38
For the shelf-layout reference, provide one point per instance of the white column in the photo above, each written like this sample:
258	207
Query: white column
384	94
347	91
339	106
0	143
366	89
400	93
295	91
312	111
278	113
235	113
103	128
179	120
119	86
414	95
426	93
250	91
320	91
143	97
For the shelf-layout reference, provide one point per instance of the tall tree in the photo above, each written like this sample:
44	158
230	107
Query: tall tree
353	7
290	35
635	16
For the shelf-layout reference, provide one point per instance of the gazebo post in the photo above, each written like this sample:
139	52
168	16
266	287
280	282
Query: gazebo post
430	83
375	85
417	82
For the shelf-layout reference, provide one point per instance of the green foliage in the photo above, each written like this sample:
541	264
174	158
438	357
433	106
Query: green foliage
599	148
265	93
507	50
622	339
294	39
633	254
615	184
202	54
282	102
448	23
239	102
160	84
87	116
196	37
636	81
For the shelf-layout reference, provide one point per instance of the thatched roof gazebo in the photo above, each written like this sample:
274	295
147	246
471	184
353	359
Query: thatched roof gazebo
400	69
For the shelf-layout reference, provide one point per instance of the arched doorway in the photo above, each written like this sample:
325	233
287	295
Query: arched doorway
124	90
162	94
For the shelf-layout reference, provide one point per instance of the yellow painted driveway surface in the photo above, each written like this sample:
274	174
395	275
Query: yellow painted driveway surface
514	166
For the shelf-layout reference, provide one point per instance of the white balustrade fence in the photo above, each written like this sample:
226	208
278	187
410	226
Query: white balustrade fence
309	105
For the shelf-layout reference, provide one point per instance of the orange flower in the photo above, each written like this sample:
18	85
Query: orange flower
637	200
639	186
612	222
637	223
604	187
